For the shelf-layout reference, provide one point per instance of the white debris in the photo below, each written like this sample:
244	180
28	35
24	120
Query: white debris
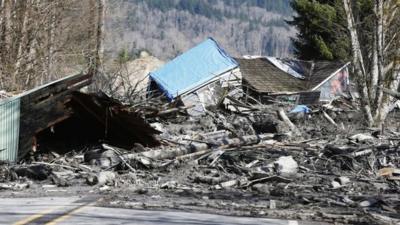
344	180
285	67
335	184
102	178
340	182
169	185
158	126
286	165
362	137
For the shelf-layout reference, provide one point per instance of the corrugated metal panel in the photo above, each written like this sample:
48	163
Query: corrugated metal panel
9	128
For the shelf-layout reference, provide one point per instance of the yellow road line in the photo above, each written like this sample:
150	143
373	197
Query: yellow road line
69	214
35	217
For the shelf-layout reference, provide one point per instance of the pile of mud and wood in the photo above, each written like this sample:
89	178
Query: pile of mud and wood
319	164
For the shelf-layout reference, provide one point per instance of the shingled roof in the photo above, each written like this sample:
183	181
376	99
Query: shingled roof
264	77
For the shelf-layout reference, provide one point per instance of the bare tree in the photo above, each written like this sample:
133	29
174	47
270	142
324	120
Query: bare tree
42	40
97	9
100	33
377	66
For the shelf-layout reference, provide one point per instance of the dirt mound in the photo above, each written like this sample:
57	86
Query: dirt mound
132	77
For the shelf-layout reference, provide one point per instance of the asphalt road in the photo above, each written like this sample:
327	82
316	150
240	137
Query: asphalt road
78	211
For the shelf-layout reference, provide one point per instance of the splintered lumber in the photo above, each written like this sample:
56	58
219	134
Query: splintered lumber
105	146
227	184
173	110
14	187
286	119
193	155
45	106
118	122
330	120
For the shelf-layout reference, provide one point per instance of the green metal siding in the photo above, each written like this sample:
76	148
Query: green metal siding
9	128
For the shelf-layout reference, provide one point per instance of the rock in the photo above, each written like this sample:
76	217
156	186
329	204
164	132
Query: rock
365	203
102	178
286	165
343	180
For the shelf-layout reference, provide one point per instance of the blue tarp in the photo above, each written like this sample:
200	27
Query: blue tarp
301	109
193	68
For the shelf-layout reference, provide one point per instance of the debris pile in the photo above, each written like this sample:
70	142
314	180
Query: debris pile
321	165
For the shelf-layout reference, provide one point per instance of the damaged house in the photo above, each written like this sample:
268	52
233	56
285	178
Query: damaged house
205	75
301	82
57	113
198	77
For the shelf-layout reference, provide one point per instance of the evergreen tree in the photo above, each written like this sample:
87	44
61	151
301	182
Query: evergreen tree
322	33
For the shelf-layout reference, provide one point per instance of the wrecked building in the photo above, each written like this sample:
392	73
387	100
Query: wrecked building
301	82
198	77
24	115
58	112
205	75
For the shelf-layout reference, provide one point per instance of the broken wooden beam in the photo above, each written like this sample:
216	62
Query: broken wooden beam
282	115
330	120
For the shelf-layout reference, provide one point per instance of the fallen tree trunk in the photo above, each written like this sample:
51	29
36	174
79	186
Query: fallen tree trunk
161	154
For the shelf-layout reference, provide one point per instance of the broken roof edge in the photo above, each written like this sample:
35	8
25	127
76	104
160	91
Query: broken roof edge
214	79
330	76
22	94
253	56
249	86
278	62
291	92
266	57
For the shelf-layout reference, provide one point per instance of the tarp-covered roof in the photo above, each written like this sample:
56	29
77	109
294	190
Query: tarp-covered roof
264	77
193	68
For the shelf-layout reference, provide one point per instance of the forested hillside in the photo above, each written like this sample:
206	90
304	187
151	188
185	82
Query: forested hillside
43	40
168	27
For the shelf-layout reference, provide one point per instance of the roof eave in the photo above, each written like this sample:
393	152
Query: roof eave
330	76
